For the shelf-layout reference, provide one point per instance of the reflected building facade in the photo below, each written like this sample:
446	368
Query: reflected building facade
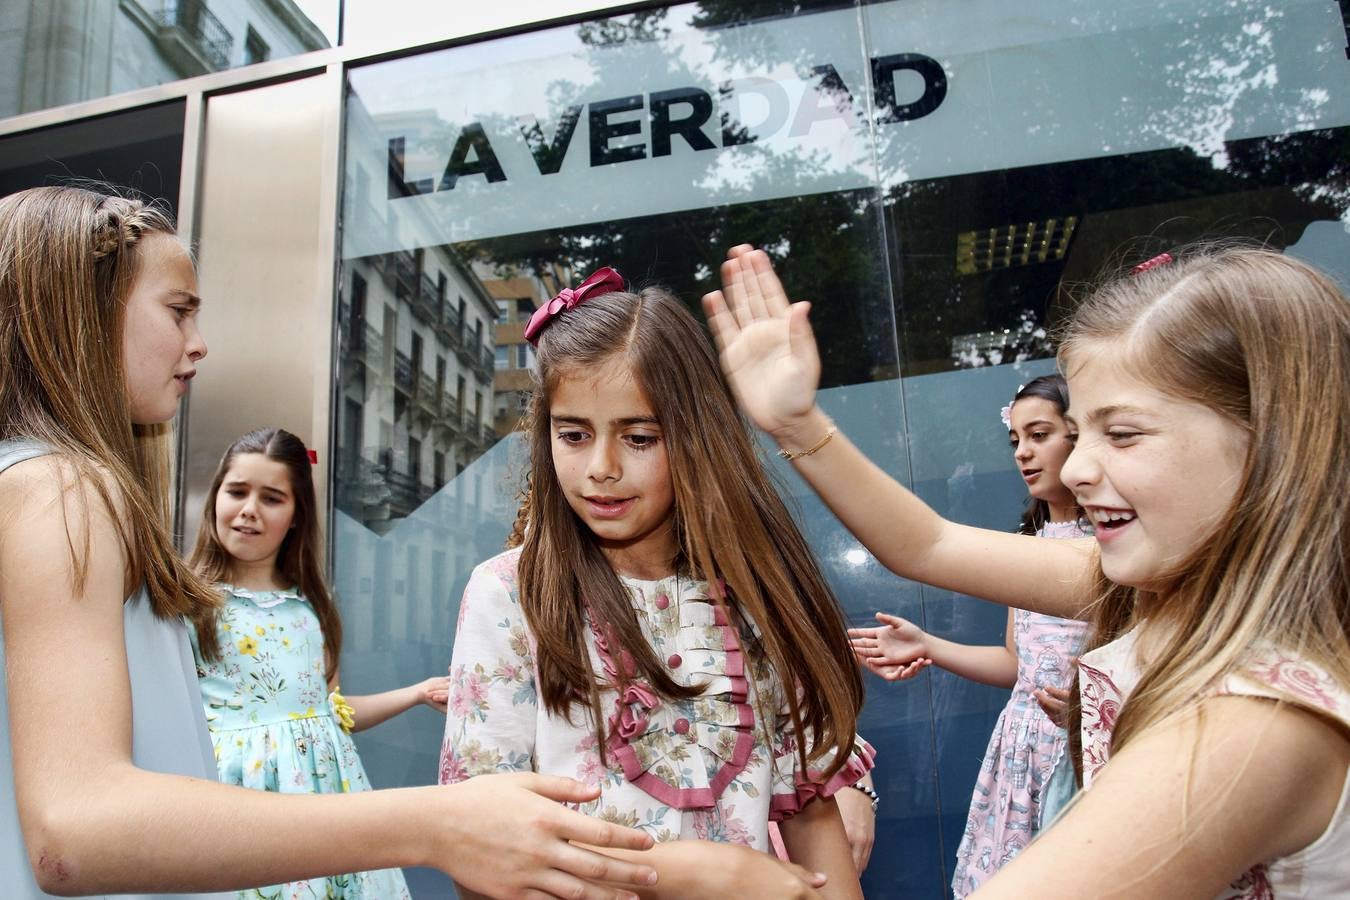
55	52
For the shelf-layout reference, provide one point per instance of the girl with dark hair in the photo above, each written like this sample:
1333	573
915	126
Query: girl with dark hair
1026	752
268	658
663	632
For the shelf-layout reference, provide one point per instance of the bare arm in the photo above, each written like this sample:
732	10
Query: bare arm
369	710
892	649
860	822
815	840
94	823
1187	807
691	869
770	359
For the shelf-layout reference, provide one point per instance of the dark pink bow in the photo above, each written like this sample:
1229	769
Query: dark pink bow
602	281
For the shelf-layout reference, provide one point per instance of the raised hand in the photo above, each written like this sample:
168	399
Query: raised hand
895	650
767	349
516	839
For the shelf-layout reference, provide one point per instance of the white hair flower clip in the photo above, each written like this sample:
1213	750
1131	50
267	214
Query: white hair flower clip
1006	412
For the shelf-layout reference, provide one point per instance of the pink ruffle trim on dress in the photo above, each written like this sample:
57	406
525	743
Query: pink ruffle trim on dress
860	762
638	712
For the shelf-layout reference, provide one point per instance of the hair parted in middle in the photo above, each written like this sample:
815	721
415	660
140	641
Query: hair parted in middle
1054	388
1263	340
299	559
729	522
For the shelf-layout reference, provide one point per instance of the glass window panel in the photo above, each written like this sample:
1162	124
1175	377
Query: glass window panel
140	149
931	183
56	52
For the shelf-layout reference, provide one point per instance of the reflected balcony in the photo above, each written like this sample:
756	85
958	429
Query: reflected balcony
192	38
403	373
450	328
426	404
426	302
448	419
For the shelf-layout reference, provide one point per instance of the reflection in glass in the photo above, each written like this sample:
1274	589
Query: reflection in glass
66	51
932	178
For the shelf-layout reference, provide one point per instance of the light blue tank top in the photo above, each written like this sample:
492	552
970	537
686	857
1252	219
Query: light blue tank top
168	727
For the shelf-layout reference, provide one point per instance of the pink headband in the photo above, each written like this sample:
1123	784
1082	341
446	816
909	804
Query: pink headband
601	281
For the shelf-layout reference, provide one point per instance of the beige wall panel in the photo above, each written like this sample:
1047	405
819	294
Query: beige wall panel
265	233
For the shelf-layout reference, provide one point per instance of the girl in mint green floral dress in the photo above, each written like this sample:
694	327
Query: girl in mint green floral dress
268	675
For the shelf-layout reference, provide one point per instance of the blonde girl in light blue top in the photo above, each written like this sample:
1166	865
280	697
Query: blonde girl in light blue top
106	779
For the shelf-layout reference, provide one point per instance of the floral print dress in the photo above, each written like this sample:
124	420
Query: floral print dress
1024	749
1109	674
698	768
272	726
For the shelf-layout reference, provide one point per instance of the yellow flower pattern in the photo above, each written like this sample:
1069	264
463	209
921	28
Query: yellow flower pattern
273	726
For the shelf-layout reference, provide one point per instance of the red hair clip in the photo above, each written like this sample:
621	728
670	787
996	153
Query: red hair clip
313	457
1161	259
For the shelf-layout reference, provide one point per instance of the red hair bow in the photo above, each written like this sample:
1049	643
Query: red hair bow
313	457
601	281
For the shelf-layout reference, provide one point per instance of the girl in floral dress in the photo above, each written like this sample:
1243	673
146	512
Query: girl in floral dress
267	660
1027	747
1213	461
663	632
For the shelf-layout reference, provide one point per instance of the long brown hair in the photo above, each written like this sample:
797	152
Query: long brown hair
729	521
68	258
299	558
1263	340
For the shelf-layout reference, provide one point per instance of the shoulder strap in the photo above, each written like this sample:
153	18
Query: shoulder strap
14	452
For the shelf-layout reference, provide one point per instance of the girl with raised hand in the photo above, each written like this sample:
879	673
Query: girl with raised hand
664	632
268	658
117	792
1028	745
1209	397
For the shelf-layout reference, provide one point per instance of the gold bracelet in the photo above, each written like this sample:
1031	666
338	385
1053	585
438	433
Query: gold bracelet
790	455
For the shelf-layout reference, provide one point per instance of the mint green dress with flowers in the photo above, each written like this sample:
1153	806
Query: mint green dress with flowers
273	726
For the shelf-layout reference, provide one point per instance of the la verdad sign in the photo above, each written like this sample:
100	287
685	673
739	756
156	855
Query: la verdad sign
684	114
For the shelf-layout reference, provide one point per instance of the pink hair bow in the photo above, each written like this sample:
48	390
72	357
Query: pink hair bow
1161	259
602	281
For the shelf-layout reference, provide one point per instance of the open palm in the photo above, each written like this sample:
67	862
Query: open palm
767	349
896	649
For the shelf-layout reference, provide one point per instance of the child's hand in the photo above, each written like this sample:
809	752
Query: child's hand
768	352
860	825
433	692
692	868
511	836
1054	702
896	650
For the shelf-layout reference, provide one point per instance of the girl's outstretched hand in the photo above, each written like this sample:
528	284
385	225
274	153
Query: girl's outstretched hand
514	838
433	692
896	650
767	349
